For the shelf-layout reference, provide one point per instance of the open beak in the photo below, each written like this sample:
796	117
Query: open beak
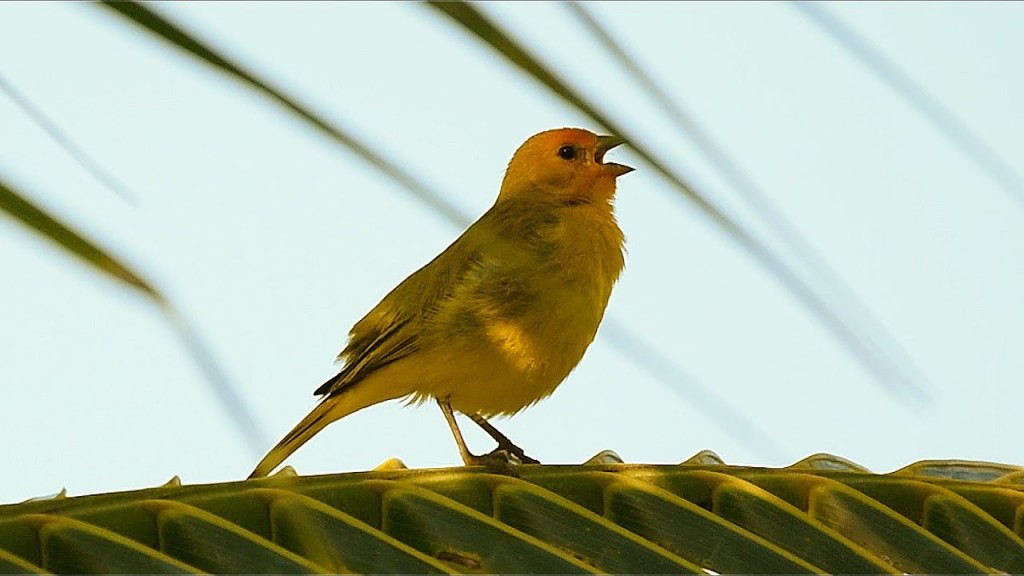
604	144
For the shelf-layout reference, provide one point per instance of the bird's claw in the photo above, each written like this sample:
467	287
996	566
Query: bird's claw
498	461
516	452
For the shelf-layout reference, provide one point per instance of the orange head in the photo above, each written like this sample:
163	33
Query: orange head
565	165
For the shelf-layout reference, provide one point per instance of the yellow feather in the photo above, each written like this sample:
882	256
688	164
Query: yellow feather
499	319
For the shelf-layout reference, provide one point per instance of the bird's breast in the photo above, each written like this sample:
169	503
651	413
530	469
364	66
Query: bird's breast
527	315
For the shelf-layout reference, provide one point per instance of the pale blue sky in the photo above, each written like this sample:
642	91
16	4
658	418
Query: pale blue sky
273	241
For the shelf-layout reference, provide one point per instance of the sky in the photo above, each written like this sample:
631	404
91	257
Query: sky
272	240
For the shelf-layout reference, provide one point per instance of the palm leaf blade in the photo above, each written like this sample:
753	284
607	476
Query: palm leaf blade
591	518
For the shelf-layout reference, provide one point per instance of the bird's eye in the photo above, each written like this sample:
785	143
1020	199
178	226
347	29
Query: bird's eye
567	153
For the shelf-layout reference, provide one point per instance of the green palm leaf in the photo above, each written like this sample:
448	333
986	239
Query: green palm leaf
818	515
14	203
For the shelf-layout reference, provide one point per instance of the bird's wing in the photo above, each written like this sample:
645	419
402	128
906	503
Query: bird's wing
386	334
392	329
492	248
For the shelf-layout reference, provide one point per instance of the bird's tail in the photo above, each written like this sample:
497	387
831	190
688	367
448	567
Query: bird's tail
332	408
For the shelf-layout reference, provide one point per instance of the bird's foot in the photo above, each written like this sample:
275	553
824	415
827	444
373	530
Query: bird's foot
503	442
497	461
514	451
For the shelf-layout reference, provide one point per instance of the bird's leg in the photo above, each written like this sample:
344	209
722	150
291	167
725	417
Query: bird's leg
499	461
467	457
503	442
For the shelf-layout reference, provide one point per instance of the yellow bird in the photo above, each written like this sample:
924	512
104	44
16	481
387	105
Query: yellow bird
498	320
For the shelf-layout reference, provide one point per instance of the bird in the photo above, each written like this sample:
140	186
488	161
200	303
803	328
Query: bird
500	318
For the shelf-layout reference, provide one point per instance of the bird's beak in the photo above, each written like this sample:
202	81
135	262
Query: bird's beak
604	144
